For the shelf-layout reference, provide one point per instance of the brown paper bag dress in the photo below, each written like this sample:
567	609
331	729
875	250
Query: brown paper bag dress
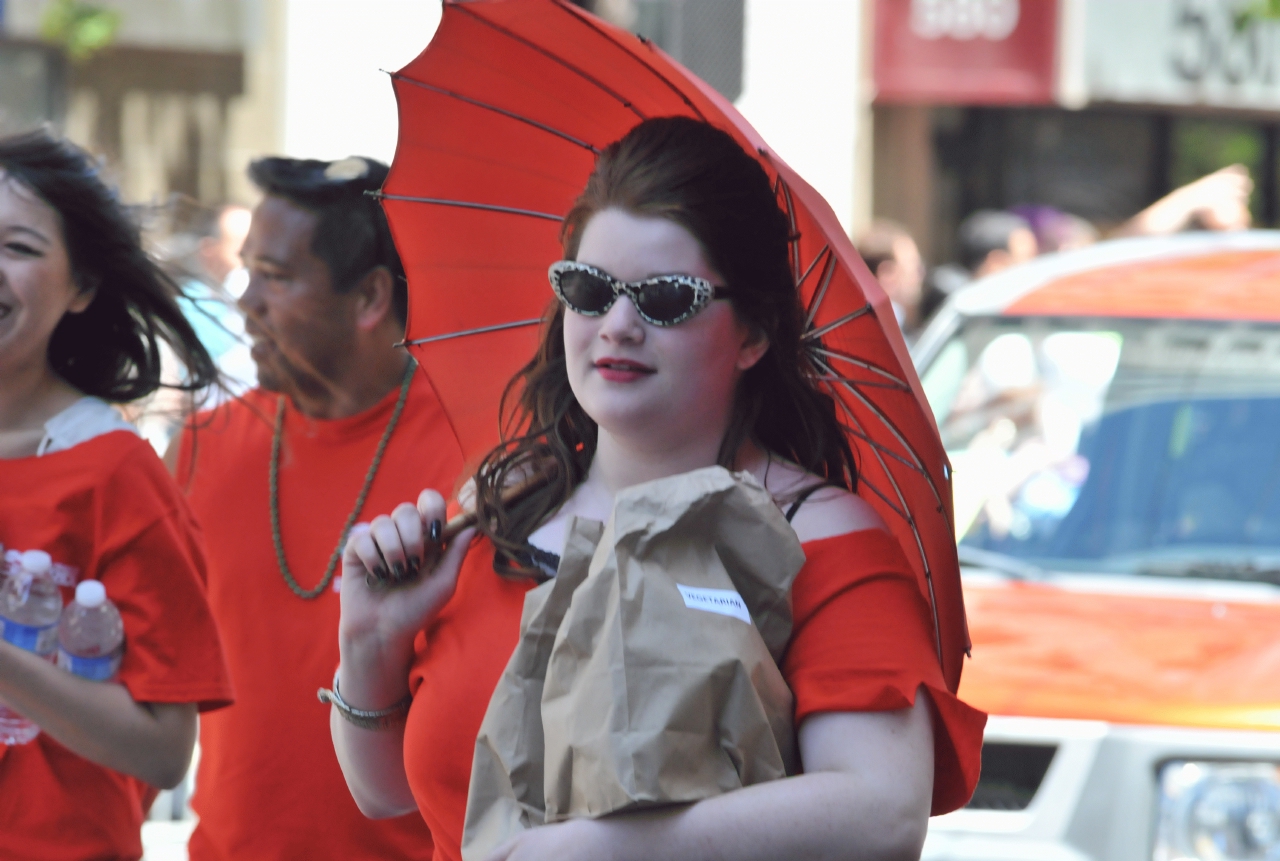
646	672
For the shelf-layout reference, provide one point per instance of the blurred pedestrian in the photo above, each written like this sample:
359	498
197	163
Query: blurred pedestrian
203	254
340	423
892	256
1216	201
222	236
82	312
217	280
1056	230
992	241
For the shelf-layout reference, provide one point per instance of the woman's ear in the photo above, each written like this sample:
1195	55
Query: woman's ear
752	349
88	290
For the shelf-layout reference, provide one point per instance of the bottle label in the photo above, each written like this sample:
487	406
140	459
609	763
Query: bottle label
41	640
100	669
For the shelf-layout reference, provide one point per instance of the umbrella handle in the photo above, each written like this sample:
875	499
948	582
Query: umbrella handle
467	519
456	525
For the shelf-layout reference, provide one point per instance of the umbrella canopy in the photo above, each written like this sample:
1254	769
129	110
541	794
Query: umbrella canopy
501	118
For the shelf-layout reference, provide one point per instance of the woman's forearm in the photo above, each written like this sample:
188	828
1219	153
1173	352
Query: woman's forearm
375	643
812	816
866	794
373	760
817	817
100	721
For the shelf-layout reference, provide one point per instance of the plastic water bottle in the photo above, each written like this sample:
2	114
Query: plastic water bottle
91	635
30	605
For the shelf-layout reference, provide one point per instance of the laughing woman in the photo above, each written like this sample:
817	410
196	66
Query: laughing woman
631	384
82	312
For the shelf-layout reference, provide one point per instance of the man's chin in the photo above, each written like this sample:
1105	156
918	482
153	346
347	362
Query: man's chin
269	380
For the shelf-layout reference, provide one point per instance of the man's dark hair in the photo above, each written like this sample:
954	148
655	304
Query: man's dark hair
351	234
985	231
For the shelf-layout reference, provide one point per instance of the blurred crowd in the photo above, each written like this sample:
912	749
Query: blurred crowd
990	241
200	246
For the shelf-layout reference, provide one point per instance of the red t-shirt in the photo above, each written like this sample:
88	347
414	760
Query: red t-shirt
269	785
862	641
107	510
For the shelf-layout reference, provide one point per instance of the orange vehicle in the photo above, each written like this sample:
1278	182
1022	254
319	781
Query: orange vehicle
1113	420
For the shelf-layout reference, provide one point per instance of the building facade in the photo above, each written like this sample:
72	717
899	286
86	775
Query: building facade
1096	107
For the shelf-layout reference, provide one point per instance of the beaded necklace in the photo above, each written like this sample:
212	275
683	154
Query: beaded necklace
274	481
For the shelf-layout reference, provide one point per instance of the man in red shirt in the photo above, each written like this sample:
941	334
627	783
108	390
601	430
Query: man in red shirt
340	429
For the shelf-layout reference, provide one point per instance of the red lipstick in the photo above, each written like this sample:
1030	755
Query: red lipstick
621	370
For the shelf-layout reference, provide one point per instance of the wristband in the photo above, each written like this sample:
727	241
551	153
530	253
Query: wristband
392	716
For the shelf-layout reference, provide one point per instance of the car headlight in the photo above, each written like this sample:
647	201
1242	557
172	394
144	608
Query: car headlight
1219	811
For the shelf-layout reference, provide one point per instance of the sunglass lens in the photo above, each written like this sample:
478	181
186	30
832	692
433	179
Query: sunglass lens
666	301
584	292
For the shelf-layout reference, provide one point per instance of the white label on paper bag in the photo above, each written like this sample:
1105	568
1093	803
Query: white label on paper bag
726	602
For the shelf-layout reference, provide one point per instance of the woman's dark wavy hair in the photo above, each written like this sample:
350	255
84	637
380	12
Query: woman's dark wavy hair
111	349
702	179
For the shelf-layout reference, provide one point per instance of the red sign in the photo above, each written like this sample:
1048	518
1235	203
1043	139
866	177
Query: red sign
965	52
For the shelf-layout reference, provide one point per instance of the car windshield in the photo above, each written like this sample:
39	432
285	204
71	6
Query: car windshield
1114	445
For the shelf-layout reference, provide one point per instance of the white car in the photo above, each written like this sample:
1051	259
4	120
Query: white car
1113	420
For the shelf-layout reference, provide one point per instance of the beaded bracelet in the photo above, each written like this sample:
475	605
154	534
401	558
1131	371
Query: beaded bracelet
392	716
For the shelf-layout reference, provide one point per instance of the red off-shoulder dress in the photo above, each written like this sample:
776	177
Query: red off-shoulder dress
862	641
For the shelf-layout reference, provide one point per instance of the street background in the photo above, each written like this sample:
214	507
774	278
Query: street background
919	111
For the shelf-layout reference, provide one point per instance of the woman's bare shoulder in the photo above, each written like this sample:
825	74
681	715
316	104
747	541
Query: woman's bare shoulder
825	512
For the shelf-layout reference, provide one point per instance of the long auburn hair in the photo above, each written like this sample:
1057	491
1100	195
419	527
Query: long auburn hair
111	349
699	177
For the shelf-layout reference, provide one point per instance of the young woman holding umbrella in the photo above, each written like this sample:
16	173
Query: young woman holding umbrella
634	383
82	312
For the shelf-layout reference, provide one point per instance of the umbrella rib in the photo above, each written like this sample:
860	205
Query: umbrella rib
791	220
480	331
661	77
911	523
858	426
914	464
800	281
815	334
828	272
853	390
861	363
863	482
626	103
834	377
893	454
893	429
488	207
497	110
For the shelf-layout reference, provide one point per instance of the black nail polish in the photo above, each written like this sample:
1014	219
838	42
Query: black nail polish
415	564
399	569
435	531
381	573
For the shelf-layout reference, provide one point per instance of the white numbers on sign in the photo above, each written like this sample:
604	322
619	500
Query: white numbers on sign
964	19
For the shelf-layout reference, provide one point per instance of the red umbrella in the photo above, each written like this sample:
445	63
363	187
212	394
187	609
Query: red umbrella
500	121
